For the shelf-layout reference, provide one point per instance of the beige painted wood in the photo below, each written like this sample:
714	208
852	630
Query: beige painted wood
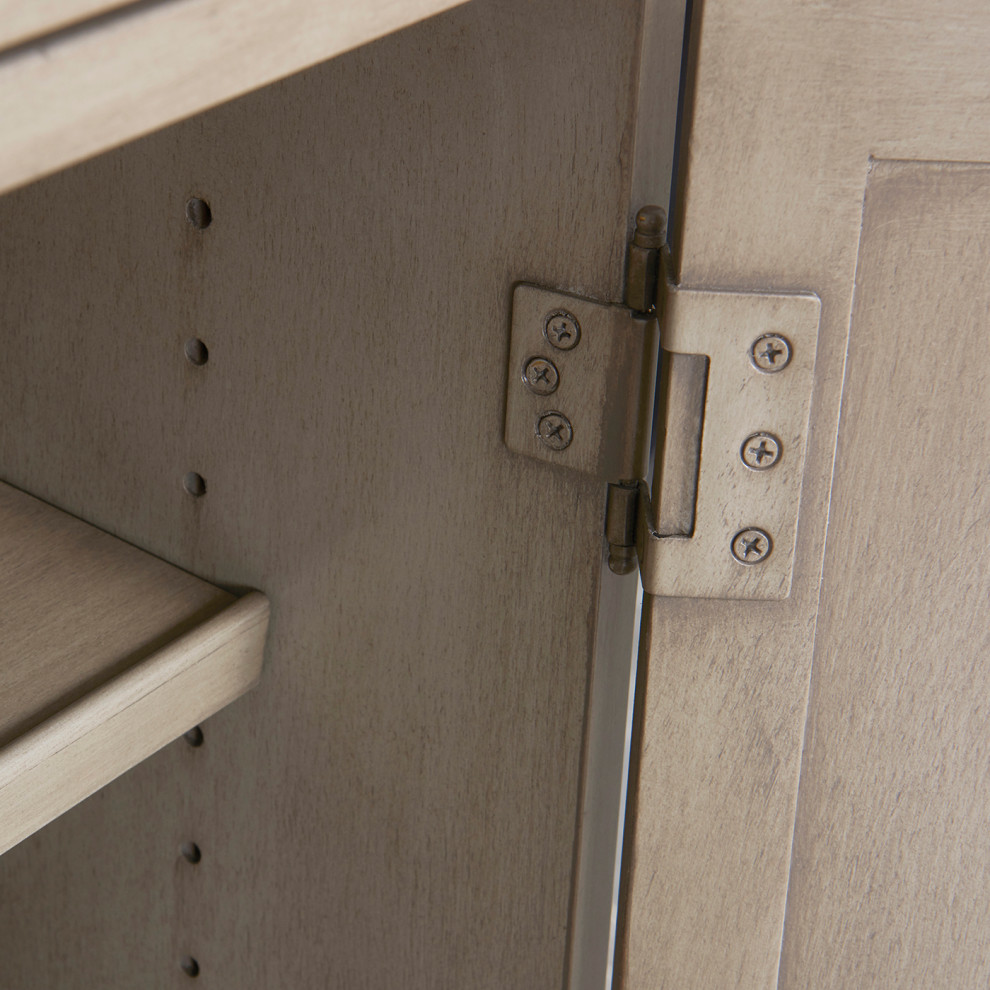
107	653
79	93
70	755
79	606
889	881
396	805
20	21
787	104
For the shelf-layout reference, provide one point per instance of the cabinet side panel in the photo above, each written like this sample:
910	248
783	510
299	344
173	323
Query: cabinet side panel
395	805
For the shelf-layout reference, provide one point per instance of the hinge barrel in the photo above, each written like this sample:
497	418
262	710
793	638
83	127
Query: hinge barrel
621	519
643	267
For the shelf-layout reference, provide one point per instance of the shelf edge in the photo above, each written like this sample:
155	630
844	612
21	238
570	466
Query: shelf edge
71	755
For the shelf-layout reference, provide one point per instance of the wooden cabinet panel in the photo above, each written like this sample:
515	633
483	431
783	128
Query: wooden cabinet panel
788	106
72	95
78	606
396	805
106	655
21	21
890	882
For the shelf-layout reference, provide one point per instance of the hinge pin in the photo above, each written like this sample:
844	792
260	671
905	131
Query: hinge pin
621	510
643	259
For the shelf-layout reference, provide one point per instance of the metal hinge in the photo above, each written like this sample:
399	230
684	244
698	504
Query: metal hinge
580	383
733	385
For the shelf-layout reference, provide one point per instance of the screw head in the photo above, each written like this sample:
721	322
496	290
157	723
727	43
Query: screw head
751	545
540	376
770	353
760	451
554	430
562	330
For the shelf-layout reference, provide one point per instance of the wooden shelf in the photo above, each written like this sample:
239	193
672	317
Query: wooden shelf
20	22
106	655
89	85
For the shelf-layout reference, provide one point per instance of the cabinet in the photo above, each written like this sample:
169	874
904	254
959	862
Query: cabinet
299	291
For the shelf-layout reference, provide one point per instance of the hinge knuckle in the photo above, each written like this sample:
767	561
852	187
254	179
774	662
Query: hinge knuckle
621	519
643	266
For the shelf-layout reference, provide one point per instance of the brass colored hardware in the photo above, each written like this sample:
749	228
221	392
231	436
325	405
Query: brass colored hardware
751	546
541	376
621	517
555	430
770	353
597	419
643	259
742	403
734	386
761	451
562	330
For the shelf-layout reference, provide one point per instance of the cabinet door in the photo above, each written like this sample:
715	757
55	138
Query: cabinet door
811	774
303	297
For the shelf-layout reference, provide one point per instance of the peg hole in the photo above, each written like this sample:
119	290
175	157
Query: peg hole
194	736
198	213
189	966
197	352
191	853
194	484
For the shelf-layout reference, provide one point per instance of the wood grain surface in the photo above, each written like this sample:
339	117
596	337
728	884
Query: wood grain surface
20	21
889	883
106	654
70	755
396	804
786	104
76	93
78	607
